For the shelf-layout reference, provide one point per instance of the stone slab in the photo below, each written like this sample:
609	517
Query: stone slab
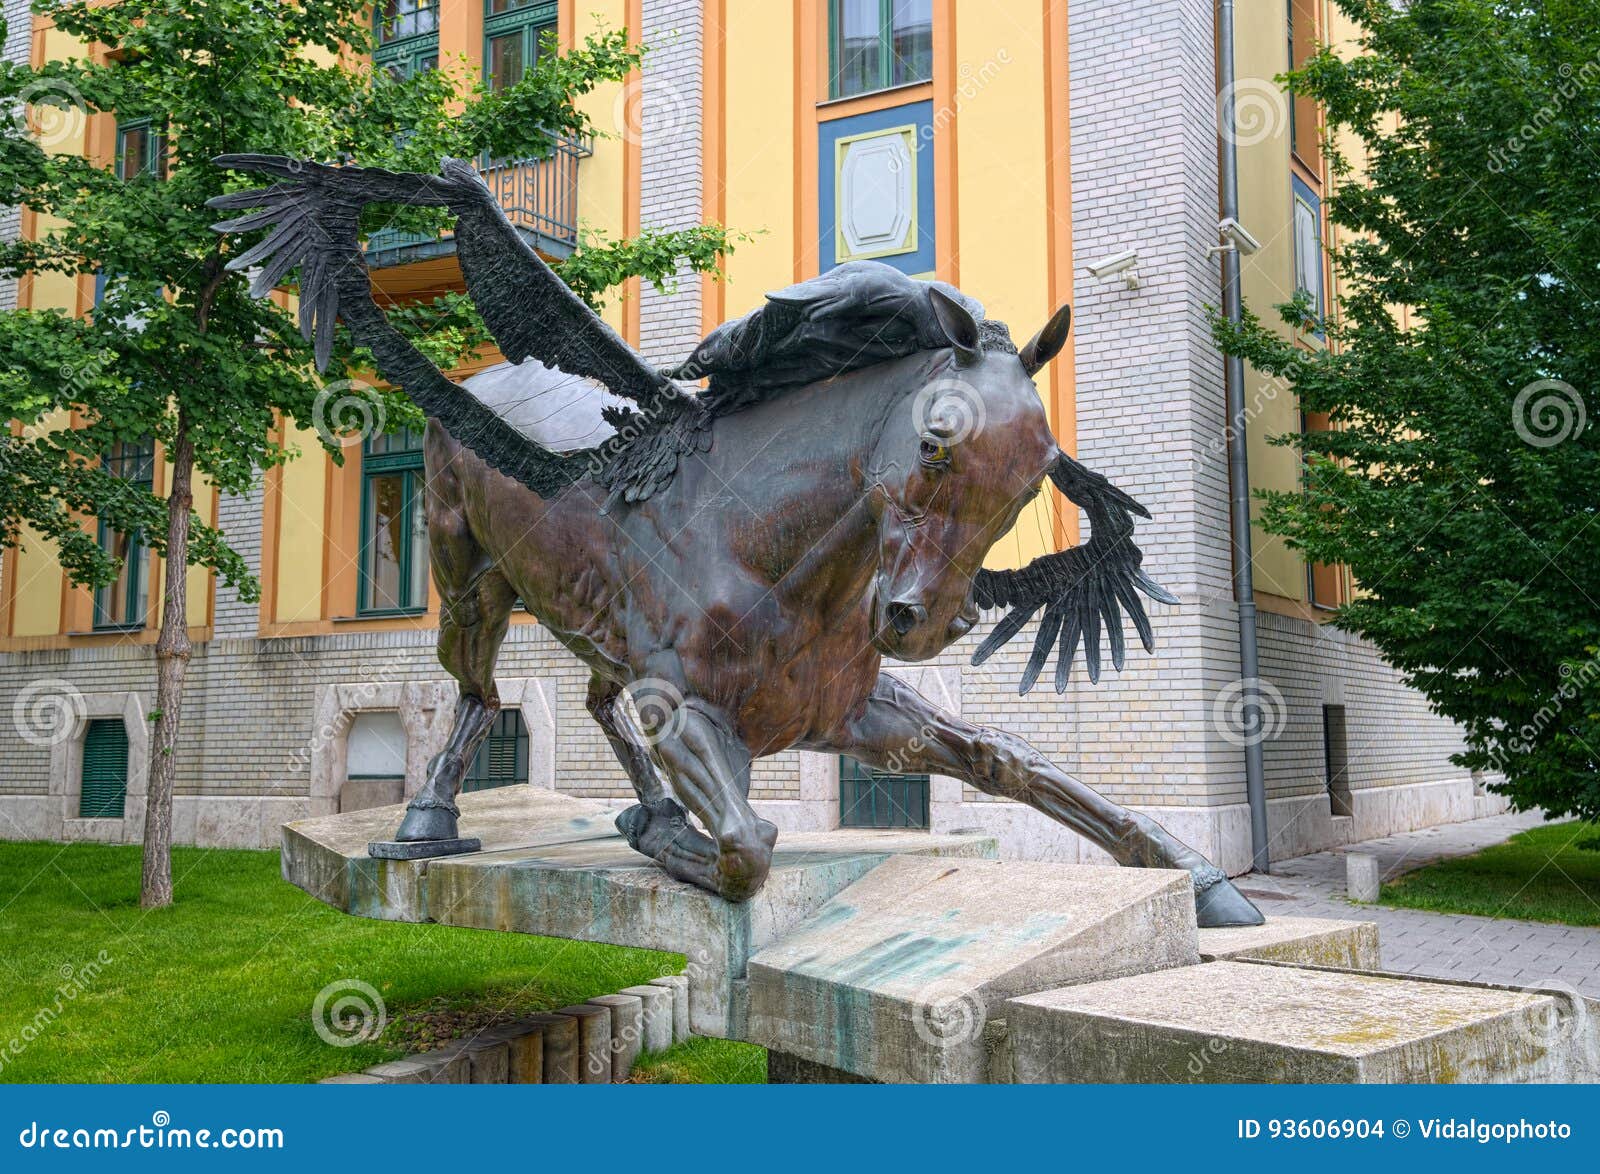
1304	941
1242	1022
895	978
553	864
421	849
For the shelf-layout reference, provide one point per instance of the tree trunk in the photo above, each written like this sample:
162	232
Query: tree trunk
172	663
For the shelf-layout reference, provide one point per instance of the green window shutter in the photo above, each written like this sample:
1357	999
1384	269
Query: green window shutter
871	798
503	758
105	770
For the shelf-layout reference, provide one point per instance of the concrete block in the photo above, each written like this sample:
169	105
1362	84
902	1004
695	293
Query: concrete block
524	1040
594	1042
627	1031
351	1078
895	978
1303	941
559	1039
488	1060
553	864
1362	878
657	1008
444	1066
679	986
1240	1022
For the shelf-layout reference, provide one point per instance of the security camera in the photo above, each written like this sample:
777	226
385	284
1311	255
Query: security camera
1114	264
1238	236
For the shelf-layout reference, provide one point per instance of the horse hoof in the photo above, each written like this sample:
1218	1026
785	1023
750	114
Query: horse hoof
649	827
427	823
1218	904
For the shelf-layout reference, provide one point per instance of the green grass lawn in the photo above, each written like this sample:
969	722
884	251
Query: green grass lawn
220	986
1538	875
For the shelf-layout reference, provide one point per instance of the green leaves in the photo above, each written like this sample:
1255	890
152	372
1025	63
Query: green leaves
175	341
1460	482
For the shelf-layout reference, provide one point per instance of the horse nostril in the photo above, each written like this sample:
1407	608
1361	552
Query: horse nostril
905	616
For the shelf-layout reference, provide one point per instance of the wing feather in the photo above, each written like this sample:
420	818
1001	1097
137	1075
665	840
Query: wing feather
1084	590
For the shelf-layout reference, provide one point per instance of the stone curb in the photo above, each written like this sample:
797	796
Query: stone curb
596	1042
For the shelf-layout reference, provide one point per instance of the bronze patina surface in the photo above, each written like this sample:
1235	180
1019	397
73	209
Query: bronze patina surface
736	561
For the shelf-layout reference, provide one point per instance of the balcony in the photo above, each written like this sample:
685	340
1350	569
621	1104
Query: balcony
540	197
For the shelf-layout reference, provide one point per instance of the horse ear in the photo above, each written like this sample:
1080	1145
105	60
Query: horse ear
1047	344
958	324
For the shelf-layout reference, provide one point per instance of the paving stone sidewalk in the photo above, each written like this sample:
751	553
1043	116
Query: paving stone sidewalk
1520	953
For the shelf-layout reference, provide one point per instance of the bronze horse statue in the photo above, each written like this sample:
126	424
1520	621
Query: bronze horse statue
736	561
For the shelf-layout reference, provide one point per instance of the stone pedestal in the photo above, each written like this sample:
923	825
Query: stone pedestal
553	864
1304	941
895	978
1226	1022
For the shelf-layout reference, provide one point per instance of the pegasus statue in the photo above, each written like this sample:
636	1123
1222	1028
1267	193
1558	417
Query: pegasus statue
752	549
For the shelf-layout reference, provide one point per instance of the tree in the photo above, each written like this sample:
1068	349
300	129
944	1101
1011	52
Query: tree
176	349
1459	479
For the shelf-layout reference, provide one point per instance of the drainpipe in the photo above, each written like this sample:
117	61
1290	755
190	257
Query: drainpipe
1244	592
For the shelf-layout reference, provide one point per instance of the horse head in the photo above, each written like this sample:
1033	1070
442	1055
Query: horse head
956	462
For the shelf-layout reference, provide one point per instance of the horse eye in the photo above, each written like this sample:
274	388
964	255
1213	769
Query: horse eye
934	454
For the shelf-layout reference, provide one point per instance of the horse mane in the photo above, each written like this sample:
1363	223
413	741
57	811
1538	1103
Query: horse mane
856	315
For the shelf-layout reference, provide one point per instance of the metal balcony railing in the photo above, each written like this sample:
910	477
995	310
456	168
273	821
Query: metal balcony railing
540	197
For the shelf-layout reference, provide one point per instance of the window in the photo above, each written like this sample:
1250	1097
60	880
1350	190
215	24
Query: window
871	798
408	36
394	526
1304	133
141	150
513	31
503	758
875	44
1336	758
125	603
105	770
1308	245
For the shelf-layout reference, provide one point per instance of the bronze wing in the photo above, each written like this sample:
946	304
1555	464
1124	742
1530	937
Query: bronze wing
1080	588
314	216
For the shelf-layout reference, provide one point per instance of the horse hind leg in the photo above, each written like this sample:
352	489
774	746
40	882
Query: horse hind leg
474	614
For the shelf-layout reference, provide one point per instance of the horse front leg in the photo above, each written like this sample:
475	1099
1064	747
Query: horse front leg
710	769
899	729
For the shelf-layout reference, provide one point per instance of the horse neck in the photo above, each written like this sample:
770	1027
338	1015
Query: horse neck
827	542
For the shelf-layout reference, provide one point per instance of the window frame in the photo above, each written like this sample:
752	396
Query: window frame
405	52
531	19
1301	195
408	463
885	53
136	564
154	163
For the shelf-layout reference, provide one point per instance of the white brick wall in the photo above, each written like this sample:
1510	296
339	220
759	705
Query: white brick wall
19	23
670	166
